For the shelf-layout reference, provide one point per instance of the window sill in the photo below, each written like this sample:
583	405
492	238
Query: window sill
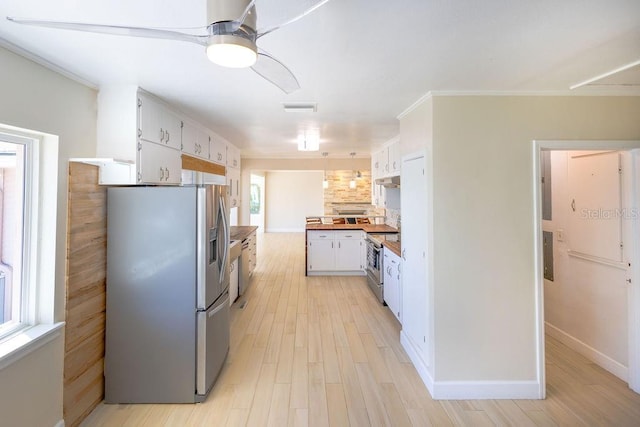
26	341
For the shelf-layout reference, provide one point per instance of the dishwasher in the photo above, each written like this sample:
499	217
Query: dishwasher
245	268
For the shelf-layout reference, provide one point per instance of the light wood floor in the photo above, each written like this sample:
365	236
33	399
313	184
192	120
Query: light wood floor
322	351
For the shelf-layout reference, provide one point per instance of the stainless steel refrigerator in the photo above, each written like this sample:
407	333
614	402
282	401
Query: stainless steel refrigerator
167	315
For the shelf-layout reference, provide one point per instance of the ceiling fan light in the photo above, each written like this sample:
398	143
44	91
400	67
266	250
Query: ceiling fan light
231	51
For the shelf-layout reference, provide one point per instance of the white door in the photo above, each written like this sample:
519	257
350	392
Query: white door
415	304
595	196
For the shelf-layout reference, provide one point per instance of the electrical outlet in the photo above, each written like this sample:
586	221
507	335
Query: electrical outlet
560	235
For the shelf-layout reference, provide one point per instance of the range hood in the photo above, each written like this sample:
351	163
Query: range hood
389	182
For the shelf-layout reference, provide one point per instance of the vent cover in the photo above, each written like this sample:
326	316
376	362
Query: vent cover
299	107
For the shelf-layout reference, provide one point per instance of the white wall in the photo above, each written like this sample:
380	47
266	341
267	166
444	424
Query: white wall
262	165
483	232
36	98
586	304
290	196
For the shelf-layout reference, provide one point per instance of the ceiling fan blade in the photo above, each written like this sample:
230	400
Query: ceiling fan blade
276	72
152	33
236	24
266	31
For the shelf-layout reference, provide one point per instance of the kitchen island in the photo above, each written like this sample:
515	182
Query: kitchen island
339	249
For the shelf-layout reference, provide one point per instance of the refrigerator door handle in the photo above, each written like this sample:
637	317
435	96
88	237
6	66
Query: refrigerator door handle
225	239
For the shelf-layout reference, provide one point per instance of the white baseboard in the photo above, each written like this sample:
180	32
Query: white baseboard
604	361
336	273
416	359
286	230
59	424
475	390
465	390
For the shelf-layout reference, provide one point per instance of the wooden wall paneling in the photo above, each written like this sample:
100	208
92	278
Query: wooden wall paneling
85	293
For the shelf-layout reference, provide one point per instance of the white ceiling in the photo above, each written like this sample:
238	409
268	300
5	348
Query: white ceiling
362	61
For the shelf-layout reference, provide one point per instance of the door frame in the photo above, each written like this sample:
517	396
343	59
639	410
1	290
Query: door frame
633	317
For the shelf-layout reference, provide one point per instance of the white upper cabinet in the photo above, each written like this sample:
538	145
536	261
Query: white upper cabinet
233	156
394	159
129	119
158	165
218	149
386	162
233	189
156	123
376	170
141	134
195	140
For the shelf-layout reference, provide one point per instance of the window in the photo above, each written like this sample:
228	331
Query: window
254	199
28	206
13	185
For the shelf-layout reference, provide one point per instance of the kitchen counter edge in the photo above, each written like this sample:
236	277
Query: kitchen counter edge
393	247
241	232
367	228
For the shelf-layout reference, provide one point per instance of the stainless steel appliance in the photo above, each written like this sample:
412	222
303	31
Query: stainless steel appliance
375	278
167	316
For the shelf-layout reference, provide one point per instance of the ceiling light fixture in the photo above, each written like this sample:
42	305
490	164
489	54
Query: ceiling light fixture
309	141
325	182
352	183
232	51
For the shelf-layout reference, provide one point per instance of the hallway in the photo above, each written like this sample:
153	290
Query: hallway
322	351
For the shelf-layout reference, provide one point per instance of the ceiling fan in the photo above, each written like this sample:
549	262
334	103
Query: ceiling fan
230	38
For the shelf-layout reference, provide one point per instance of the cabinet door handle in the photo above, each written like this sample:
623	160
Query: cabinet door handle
331	245
168	136
161	135
404	253
161	173
167	170
338	245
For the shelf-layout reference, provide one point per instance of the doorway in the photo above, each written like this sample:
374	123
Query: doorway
587	250
256	201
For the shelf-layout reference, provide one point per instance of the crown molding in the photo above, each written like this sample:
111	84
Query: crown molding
46	63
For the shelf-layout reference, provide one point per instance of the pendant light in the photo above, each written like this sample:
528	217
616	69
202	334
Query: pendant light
352	183
325	182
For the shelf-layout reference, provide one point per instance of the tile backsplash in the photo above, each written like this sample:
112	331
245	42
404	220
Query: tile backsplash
393	218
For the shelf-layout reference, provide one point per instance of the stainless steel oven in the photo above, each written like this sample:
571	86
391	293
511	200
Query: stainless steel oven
374	266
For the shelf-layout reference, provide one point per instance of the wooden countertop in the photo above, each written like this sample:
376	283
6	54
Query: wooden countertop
394	247
367	228
242	231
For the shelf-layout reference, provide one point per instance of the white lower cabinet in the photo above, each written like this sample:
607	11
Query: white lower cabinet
234	282
348	251
320	255
392	283
253	252
337	252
